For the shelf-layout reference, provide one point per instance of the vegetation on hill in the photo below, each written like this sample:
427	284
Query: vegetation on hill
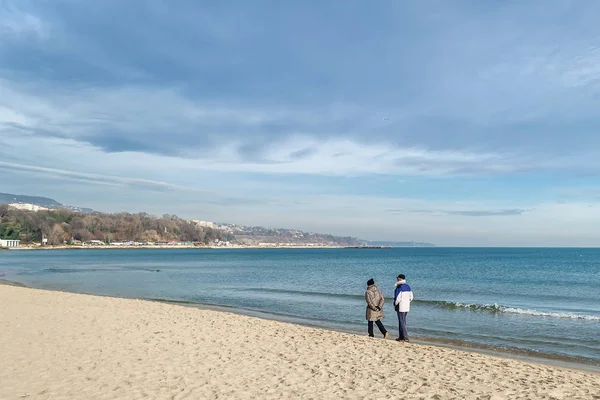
60	226
7	198
63	224
400	244
255	235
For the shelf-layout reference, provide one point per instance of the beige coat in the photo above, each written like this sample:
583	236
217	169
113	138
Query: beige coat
374	299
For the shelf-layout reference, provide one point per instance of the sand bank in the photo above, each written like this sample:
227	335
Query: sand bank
56	345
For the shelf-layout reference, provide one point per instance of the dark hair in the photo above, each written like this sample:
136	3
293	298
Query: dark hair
370	282
401	276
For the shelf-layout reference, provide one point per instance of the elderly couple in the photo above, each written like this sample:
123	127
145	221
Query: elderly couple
402	298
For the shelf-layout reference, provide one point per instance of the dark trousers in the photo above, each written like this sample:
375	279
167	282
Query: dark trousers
379	325
402	332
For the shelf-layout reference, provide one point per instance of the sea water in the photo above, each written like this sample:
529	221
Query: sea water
543	302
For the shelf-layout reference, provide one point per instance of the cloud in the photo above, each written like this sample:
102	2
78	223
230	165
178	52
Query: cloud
18	25
91	178
484	89
489	213
466	213
303	153
164	122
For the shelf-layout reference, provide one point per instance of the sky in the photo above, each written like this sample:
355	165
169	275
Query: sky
463	123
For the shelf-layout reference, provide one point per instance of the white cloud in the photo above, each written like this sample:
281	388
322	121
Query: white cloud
343	157
334	157
101	179
16	24
160	120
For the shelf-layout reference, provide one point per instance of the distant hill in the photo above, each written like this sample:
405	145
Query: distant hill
257	235
8	198
400	244
249	235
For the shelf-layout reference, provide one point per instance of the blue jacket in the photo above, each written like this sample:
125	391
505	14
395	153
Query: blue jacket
402	297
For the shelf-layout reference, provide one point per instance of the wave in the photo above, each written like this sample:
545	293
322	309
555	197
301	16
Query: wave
75	270
497	308
449	305
80	270
306	293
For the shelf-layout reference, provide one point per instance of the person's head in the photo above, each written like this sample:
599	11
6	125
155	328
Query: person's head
370	282
401	277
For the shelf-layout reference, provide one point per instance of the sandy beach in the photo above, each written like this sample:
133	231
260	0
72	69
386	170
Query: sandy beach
57	345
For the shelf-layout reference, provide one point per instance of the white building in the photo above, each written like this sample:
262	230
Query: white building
27	207
205	224
9	243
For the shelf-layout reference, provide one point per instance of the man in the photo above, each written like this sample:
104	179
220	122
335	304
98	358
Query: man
375	300
402	298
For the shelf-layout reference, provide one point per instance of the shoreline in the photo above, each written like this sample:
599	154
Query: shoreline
522	355
166	247
66	345
512	354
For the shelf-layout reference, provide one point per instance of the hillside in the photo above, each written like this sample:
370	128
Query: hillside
400	244
76	223
257	235
62	226
7	198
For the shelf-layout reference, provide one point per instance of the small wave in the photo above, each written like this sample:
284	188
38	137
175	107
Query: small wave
550	314
449	305
497	308
141	269
460	306
75	270
81	270
306	293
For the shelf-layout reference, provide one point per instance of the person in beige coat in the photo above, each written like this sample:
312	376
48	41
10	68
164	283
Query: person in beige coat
375	301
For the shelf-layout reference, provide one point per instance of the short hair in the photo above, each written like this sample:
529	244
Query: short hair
401	276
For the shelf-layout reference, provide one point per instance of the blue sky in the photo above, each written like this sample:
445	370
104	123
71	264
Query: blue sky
458	123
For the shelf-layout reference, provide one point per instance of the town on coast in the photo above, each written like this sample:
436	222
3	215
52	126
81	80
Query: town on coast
32	226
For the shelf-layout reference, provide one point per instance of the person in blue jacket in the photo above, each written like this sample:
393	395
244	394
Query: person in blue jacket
402	297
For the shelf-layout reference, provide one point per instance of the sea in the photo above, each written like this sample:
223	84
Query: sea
530	302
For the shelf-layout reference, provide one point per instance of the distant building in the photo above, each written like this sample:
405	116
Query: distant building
9	243
205	224
27	207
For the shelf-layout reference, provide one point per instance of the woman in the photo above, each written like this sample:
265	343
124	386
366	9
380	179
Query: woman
375	300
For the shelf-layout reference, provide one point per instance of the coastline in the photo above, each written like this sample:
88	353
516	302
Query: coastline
172	247
513	354
527	356
107	347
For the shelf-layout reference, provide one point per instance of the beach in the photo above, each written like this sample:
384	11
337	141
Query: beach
58	345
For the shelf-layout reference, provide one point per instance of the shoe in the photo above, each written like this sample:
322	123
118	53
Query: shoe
399	340
386	335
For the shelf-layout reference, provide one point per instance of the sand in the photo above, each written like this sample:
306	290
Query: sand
56	345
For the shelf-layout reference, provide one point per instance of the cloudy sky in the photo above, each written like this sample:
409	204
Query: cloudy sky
458	123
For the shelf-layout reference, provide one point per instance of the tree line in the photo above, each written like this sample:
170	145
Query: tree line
64	226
